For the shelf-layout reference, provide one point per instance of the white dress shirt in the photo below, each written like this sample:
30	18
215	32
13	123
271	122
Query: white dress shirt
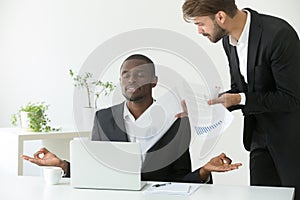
242	51
153	123
132	124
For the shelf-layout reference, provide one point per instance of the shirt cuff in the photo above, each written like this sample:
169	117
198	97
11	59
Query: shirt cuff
207	180
243	99
67	174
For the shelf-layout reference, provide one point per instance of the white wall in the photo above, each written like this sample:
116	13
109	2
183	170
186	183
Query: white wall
41	40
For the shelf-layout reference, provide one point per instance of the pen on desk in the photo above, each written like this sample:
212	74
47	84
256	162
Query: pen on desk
159	185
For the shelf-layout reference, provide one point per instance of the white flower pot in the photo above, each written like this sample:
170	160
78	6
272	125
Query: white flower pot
25	121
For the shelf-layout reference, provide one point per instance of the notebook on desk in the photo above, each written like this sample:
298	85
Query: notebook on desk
105	165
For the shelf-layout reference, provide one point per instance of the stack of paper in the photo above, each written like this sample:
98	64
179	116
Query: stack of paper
171	188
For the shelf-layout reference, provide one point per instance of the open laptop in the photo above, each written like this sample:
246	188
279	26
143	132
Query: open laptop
105	165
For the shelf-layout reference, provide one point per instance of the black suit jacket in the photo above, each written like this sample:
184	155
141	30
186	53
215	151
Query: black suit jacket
273	71
167	160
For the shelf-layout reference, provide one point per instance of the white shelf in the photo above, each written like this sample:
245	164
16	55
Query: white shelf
12	145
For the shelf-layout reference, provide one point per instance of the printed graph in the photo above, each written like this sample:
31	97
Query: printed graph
200	130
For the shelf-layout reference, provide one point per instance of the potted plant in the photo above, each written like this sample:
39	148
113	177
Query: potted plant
87	82
33	117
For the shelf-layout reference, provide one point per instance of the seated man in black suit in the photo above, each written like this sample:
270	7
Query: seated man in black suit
169	158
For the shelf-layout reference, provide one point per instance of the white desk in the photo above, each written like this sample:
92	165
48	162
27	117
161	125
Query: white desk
34	188
12	143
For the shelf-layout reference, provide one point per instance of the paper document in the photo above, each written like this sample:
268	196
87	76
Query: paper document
172	188
208	122
218	123
156	120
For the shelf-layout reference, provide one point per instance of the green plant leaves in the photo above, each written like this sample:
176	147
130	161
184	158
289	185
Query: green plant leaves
87	82
38	119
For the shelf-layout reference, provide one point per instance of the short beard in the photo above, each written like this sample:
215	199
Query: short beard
134	99
219	33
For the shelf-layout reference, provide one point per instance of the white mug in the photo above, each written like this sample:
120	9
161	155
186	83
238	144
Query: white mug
52	174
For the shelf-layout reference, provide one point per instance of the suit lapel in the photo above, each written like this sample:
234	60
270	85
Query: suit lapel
236	68
235	60
254	39
118	126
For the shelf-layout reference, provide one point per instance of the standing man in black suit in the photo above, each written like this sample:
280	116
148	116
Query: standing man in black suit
263	54
168	159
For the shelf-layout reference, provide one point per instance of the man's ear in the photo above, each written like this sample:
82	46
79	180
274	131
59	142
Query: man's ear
220	17
154	81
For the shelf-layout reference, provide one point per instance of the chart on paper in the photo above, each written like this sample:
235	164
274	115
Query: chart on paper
200	130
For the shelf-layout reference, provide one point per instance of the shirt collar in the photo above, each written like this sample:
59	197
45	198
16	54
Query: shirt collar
127	114
245	33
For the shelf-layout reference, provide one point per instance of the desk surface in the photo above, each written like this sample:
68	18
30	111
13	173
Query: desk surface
34	188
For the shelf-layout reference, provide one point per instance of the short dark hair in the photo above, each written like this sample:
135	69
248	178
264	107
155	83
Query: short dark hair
199	8
141	57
